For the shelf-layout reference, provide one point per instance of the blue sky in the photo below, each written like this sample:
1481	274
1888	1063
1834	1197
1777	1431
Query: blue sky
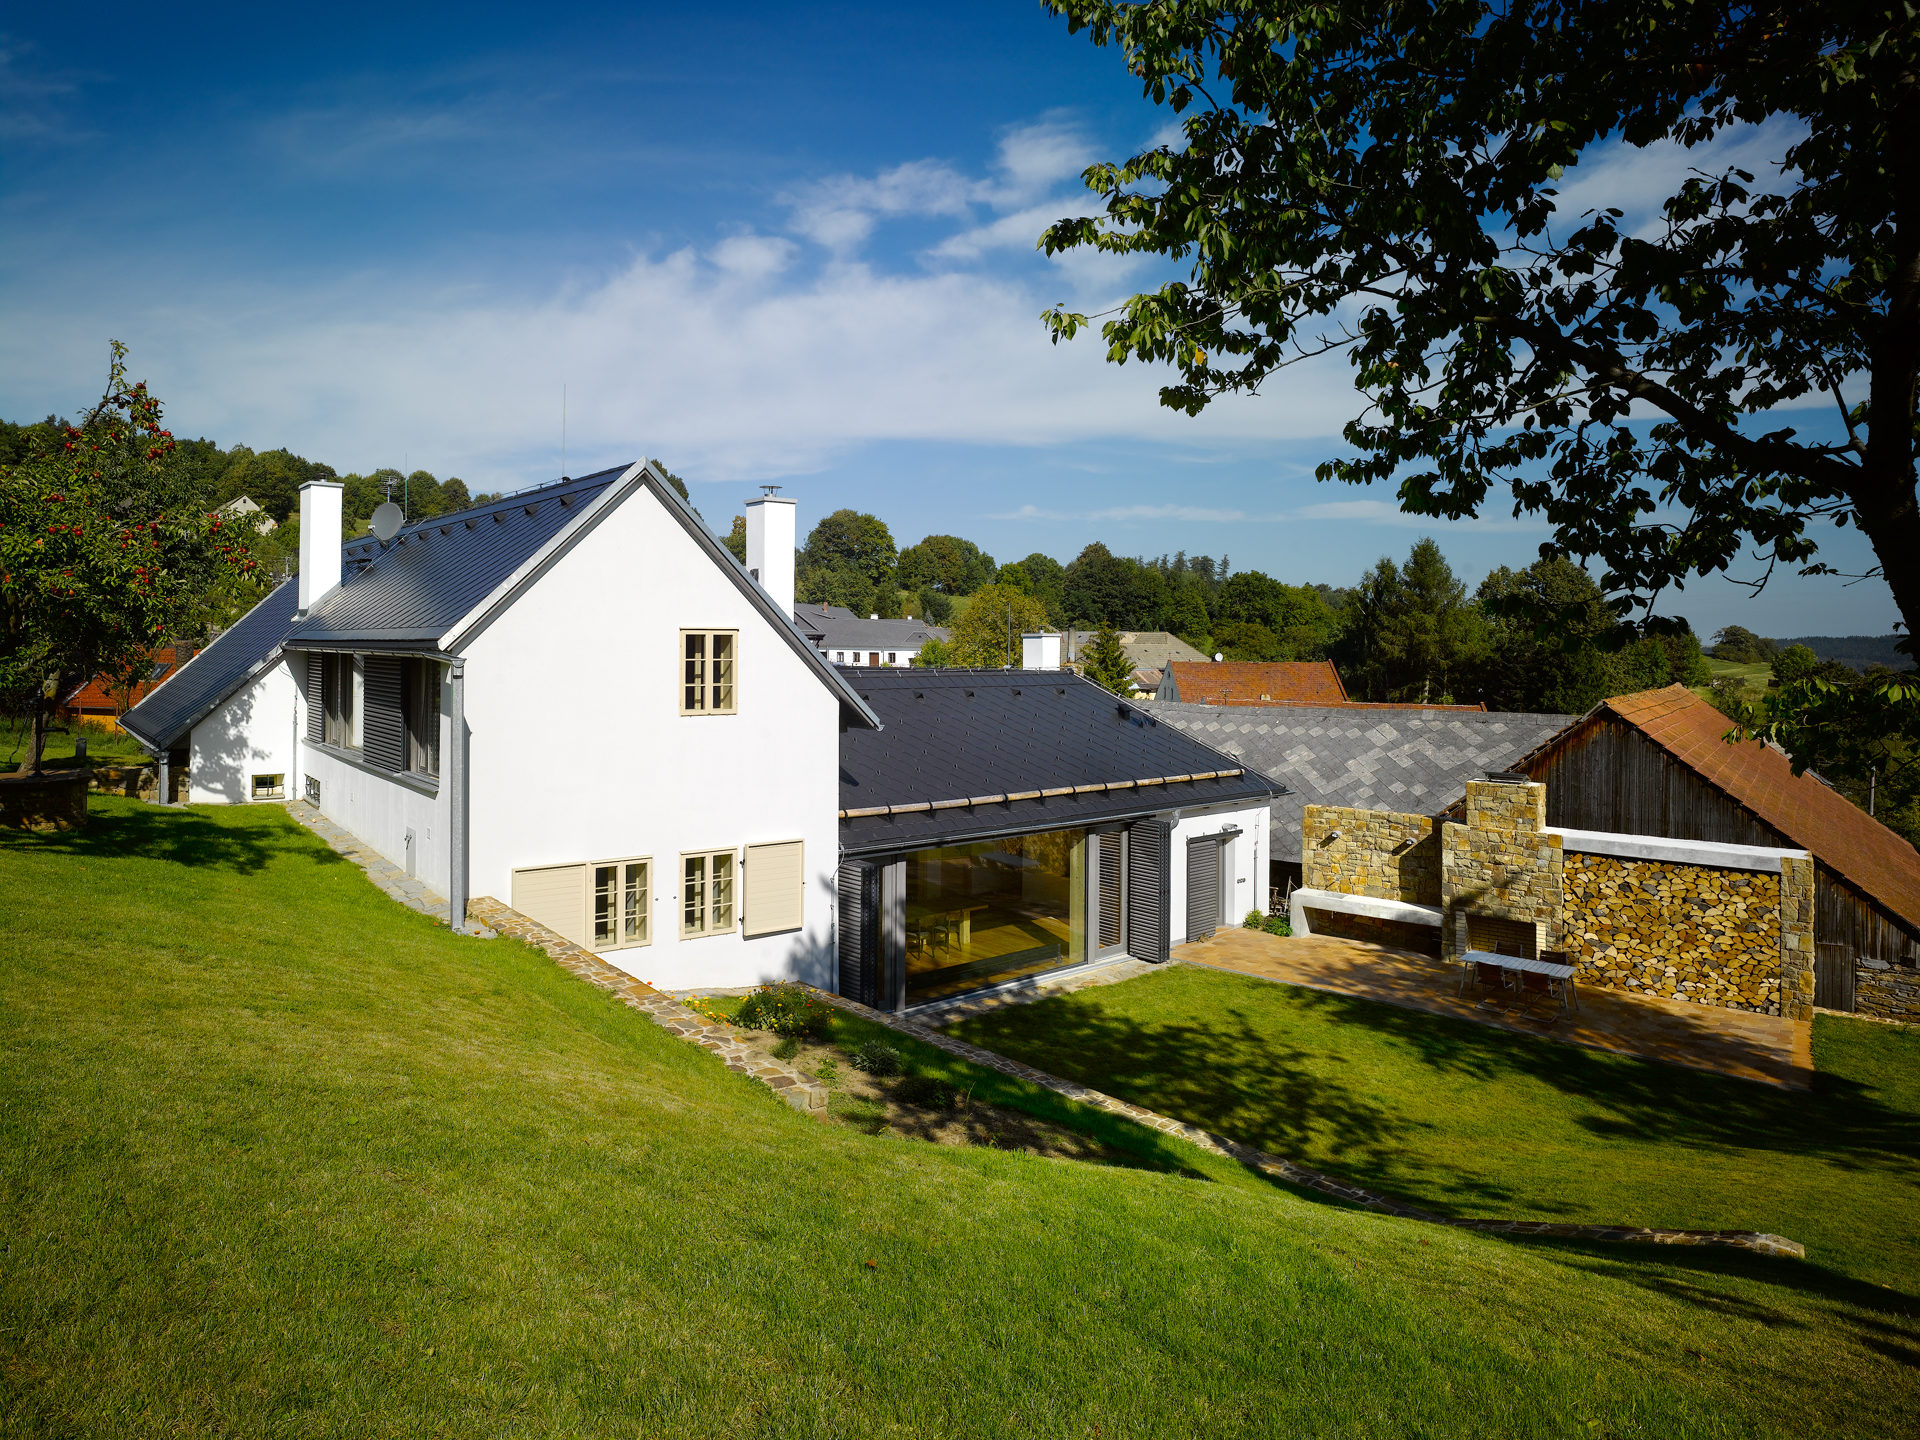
774	242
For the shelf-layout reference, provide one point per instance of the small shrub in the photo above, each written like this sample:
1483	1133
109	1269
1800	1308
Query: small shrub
787	1048
785	1009
1272	924
876	1058
929	1092
828	1071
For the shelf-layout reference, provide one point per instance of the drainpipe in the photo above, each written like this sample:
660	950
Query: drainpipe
457	796
160	796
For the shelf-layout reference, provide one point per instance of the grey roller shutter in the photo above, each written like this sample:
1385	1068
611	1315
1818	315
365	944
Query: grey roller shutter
1203	887
1110	930
1149	890
858	932
383	730
316	698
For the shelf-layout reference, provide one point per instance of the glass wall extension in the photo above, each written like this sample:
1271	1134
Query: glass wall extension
979	915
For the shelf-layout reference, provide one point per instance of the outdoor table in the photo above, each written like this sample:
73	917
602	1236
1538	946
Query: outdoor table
1561	975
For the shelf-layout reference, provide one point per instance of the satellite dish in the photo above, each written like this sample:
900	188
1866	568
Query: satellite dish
387	521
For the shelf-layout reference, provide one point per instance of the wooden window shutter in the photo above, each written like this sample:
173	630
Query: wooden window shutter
858	934
553	895
775	889
316	698
1149	889
383	733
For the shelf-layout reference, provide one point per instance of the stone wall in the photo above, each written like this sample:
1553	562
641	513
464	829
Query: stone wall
1680	932
1370	852
1395	934
1887	992
55	800
1500	864
1796	938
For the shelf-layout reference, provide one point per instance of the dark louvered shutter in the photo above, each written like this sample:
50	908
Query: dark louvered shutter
1203	888
859	931
316	698
383	729
1149	890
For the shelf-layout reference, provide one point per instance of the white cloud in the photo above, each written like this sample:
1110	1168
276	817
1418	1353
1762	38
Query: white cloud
840	212
1637	180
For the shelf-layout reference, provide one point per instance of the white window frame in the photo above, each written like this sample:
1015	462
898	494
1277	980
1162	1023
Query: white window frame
276	791
624	886
699	674
702	907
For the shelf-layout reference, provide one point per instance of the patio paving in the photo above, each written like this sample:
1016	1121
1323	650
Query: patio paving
1766	1048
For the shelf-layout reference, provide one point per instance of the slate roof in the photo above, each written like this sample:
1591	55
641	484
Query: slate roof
1411	760
1228	682
962	734
842	629
419	585
205	681
1145	649
408	593
1813	815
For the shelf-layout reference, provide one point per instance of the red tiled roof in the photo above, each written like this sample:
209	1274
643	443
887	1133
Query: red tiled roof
98	693
1841	835
1243	682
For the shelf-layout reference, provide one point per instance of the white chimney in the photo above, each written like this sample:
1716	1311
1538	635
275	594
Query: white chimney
319	541
1040	651
770	545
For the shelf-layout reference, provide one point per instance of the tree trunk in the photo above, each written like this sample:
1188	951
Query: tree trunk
37	746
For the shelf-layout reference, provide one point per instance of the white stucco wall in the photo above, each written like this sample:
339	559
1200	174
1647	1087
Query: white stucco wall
252	734
1245	856
580	753
380	808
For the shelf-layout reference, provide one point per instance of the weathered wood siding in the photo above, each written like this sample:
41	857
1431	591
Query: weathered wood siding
1608	776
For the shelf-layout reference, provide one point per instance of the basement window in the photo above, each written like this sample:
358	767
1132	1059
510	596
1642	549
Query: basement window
707	671
270	787
706	894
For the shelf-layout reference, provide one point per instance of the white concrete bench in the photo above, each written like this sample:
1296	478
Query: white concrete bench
1369	905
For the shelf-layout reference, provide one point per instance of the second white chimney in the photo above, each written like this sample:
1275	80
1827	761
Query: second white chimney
320	563
770	546
1040	650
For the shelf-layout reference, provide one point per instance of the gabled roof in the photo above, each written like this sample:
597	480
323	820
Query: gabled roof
1411	760
1805	809
1241	682
439	582
842	629
999	737
407	592
194	690
1145	649
100	692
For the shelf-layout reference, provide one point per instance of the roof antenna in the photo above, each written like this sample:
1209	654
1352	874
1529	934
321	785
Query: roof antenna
563	429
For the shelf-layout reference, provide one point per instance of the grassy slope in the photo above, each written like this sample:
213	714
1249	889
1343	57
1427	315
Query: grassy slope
280	1158
1477	1121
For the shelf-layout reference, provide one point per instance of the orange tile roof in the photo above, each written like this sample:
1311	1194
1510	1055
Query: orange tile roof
1841	835
1244	682
98	693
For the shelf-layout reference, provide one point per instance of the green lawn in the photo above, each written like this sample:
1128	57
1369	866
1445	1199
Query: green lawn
1751	679
280	1158
112	745
1470	1120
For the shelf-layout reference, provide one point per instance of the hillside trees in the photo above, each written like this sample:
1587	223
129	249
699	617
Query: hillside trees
945	564
988	635
107	546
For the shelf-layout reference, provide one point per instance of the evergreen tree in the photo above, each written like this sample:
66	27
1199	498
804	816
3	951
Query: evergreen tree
1105	663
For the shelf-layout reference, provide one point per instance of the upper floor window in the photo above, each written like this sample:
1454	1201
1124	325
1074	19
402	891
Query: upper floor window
420	708
707	671
342	696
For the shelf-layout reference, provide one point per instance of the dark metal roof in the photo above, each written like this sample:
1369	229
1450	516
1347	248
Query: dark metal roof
1413	760
415	587
961	734
839	628
216	672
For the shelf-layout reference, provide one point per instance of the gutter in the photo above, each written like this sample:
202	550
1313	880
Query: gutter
1098	787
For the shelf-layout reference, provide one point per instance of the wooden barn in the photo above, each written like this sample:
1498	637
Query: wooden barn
1657	763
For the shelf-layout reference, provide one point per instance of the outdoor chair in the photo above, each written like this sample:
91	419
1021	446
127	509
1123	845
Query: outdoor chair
1479	973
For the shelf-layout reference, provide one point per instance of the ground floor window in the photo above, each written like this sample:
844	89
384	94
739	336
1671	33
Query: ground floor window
269	787
622	901
999	910
706	894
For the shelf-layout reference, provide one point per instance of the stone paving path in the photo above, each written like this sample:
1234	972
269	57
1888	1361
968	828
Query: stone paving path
1300	1175
487	918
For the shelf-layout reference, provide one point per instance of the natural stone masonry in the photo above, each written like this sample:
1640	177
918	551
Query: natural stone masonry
1681	932
732	1046
1502	865
1300	1175
1886	992
1796	938
1370	852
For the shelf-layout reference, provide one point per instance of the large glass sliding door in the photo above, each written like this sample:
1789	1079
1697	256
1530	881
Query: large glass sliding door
983	914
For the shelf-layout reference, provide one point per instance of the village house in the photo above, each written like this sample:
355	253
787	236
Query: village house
405	688
846	638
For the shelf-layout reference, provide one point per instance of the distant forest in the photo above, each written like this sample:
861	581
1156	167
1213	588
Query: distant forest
1856	652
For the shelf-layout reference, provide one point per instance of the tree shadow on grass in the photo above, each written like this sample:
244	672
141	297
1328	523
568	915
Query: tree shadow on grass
1222	1074
242	843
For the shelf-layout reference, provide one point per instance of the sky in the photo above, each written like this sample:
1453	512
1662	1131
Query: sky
769	243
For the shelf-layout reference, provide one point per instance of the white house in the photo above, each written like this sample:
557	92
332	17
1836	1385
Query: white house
693	822
848	638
